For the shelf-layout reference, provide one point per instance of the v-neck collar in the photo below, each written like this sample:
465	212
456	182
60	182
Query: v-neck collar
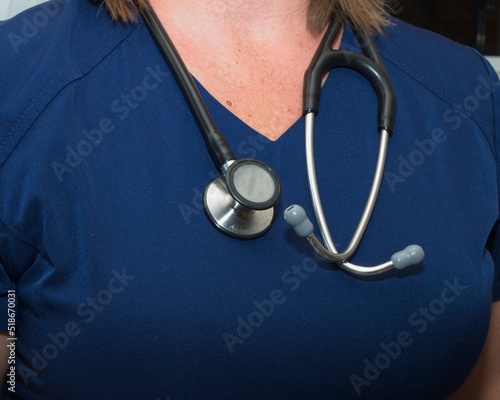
236	130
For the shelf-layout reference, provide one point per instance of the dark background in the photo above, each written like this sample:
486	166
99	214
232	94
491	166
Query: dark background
471	22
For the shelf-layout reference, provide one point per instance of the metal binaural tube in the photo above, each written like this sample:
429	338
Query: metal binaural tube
316	199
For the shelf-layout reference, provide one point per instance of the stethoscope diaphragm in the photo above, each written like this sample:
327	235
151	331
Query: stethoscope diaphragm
241	202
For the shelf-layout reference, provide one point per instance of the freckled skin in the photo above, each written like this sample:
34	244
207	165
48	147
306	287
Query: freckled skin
257	52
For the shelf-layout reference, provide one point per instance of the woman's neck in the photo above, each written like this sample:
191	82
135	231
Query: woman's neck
250	55
254	20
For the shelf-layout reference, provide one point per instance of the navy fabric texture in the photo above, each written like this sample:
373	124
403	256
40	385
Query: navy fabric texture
125	290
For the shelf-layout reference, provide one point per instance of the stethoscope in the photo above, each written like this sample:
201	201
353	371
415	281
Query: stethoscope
240	202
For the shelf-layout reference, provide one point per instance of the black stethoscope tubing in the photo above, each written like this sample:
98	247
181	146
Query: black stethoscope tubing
217	145
369	66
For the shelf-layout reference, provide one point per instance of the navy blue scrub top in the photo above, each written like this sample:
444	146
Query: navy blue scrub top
124	289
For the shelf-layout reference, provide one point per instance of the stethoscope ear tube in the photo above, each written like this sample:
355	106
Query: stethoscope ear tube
215	142
367	65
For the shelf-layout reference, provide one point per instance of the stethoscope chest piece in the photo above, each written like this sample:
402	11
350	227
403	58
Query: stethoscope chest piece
241	202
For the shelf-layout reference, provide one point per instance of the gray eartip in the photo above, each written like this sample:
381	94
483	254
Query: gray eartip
412	255
296	217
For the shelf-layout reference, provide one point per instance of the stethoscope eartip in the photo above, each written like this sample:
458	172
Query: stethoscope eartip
412	255
296	217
